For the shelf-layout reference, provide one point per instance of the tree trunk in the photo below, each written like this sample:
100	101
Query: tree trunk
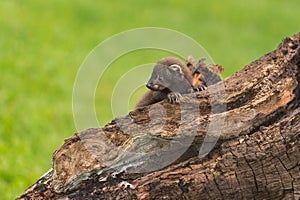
237	140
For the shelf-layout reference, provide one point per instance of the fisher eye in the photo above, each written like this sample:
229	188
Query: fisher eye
176	68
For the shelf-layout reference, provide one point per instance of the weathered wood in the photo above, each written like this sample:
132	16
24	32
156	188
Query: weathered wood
158	152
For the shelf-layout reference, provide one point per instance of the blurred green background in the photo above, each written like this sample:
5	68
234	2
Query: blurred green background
43	43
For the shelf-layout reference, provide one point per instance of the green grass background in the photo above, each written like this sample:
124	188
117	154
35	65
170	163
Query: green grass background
43	43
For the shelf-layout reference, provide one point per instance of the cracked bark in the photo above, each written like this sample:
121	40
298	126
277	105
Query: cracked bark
256	155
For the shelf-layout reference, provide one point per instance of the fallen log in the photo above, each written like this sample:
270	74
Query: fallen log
239	139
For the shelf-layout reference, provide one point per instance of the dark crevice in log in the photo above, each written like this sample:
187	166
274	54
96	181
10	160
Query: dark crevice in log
274	117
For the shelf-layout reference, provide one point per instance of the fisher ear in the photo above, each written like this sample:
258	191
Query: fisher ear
220	68
176	68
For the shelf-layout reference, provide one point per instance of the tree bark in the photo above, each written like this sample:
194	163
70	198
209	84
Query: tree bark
237	140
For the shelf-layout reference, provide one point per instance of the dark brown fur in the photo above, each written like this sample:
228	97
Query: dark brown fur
170	78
